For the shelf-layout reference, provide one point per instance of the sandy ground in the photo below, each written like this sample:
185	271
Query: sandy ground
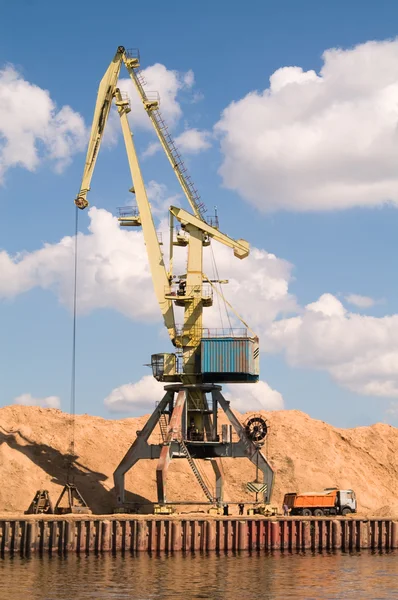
307	455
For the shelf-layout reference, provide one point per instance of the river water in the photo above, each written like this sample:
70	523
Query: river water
216	577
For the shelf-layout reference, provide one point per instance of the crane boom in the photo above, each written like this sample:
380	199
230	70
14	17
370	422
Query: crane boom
152	110
241	248
159	274
105	95
108	91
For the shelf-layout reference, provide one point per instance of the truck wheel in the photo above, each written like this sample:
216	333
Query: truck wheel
318	512
306	512
346	511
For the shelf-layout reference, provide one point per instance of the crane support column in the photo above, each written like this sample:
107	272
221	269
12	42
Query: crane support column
250	450
219	474
159	275
166	454
140	448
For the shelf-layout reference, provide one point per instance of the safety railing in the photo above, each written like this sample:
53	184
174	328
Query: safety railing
181	290
219	332
127	211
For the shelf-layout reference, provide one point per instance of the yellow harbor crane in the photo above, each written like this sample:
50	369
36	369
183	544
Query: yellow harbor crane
203	358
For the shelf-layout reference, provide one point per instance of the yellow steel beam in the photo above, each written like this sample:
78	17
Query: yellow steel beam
241	248
105	94
158	270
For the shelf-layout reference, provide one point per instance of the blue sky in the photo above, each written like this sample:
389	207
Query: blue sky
232	49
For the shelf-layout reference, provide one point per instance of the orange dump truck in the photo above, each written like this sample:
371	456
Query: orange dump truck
329	502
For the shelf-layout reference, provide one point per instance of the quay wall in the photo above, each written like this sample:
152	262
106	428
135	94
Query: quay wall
129	533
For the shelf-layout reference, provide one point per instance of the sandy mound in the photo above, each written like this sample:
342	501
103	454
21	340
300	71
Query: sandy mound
307	455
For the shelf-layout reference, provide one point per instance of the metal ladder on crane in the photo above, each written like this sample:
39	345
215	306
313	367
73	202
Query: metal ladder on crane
152	107
196	471
163	426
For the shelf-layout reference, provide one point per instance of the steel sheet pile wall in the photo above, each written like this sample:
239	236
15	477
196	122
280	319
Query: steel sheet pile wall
174	535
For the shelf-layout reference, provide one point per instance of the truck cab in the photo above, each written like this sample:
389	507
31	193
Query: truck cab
347	502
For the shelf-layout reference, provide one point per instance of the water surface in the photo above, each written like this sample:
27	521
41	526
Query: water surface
216	577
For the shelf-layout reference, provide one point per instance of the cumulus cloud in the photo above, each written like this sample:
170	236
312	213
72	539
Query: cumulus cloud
112	272
193	141
360	301
162	84
257	396
32	128
358	351
141	397
152	149
258	287
161	199
29	400
317	141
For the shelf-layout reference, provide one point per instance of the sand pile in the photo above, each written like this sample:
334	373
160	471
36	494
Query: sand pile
307	455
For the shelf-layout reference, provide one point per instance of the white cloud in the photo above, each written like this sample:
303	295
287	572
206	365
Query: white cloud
160	83
246	397
189	79
32	129
318	141
113	270
161	200
327	305
139	397
193	141
257	287
360	301
29	400
358	351
152	149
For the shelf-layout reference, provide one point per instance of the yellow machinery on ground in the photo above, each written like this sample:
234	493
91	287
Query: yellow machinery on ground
203	359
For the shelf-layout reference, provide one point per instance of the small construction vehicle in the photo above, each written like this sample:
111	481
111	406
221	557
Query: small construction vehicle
266	510
331	501
41	504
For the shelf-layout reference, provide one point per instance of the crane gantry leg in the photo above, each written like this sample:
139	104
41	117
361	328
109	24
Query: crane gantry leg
178	444
140	448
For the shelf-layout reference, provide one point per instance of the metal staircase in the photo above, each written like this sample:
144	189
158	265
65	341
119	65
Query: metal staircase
163	426
196	472
175	158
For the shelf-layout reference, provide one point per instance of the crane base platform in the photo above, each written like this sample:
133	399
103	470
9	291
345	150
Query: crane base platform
182	438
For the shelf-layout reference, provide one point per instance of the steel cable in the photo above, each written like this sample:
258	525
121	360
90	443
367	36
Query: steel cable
72	409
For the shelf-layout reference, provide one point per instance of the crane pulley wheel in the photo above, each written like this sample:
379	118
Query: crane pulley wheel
256	429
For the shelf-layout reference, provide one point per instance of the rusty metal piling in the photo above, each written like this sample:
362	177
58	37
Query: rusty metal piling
160	534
